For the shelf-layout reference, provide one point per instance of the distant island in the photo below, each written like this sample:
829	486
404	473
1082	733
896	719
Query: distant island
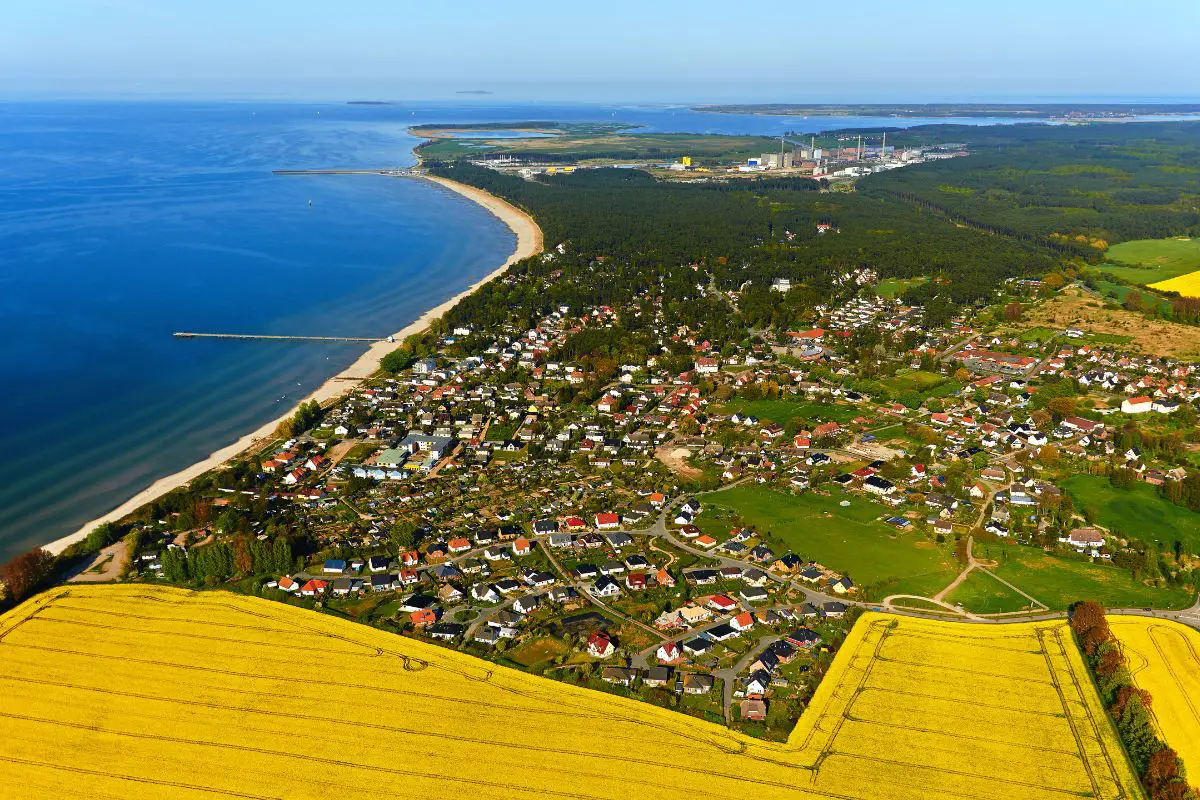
473	91
1011	110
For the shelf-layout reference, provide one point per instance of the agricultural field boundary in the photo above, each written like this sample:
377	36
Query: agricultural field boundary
166	689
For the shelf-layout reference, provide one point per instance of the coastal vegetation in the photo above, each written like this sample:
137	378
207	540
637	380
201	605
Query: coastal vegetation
592	144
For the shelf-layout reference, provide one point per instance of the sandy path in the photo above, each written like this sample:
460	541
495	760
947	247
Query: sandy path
109	563
529	243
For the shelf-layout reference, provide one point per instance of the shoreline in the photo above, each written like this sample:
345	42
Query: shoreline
529	243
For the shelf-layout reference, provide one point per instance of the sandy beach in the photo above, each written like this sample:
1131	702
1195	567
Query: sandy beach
529	243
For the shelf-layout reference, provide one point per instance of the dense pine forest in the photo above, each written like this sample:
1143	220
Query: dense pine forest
1029	200
1106	182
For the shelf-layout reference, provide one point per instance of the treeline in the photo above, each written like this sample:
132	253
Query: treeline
307	415
220	561
1158	766
25	575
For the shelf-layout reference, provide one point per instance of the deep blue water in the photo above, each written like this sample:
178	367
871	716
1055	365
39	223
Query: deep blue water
123	222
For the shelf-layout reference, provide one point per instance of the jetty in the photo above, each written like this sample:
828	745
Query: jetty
192	335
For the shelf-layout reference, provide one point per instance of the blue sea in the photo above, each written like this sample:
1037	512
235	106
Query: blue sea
122	222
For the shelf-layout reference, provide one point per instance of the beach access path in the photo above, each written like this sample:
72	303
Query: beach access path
529	243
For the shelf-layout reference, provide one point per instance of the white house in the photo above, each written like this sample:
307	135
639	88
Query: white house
1137	405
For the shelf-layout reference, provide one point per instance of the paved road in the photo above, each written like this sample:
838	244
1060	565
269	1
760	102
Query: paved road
729	676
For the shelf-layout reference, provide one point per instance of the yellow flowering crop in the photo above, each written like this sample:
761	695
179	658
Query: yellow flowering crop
132	691
1187	285
1164	658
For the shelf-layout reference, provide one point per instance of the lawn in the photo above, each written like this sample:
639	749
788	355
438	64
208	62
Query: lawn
500	433
1137	513
538	651
983	594
1059	582
849	539
894	287
1146	261
920	605
926	384
782	410
922	585
917	380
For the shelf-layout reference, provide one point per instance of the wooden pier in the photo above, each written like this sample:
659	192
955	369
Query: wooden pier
191	335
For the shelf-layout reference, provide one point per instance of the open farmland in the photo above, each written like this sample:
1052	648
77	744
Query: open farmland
1186	285
1164	658
1152	261
135	691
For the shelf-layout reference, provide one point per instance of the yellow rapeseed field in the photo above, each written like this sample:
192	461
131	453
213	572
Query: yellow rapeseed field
133	691
1187	285
1164	657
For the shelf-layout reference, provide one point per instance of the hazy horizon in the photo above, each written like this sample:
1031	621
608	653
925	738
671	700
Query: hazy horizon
876	51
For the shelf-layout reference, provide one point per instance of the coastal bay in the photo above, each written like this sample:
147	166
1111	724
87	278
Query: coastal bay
173	221
528	243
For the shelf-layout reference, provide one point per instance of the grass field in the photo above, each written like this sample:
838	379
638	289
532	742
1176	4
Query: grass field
1137	513
848	539
782	410
927	384
123	691
894	287
1149	261
983	594
1164	658
1059	582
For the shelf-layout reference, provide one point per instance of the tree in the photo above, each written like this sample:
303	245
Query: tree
27	573
242	558
1048	455
1060	407
403	534
1086	615
1137	731
1053	282
100	537
281	555
174	565
1013	312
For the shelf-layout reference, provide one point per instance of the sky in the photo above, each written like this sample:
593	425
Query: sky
615	50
